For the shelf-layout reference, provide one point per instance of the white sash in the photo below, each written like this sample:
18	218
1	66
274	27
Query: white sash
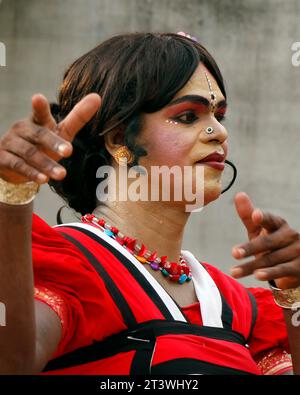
207	292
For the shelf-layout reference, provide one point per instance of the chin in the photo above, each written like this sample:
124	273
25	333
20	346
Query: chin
212	192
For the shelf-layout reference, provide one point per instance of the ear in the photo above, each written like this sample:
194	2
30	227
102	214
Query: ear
114	139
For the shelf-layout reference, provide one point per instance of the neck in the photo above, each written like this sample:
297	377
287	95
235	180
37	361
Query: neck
158	227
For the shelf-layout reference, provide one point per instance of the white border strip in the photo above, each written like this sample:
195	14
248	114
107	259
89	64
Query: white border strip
207	292
166	298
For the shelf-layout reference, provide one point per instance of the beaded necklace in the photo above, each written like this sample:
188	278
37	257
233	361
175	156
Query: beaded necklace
177	272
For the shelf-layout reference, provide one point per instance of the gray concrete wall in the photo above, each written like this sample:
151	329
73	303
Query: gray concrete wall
251	40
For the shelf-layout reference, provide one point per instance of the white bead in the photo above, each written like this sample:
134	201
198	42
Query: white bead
137	247
147	254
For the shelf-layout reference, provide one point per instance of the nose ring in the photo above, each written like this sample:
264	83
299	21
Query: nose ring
209	130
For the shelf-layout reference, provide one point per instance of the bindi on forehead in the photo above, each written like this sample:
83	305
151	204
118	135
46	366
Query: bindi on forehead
203	81
213	95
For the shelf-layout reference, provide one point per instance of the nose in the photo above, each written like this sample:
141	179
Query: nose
218	134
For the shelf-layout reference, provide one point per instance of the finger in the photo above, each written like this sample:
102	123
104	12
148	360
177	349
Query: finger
287	282
18	165
286	254
287	269
245	208
36	158
81	114
48	140
266	242
269	221
41	113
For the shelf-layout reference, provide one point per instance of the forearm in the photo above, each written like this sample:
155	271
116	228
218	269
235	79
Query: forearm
292	319
17	337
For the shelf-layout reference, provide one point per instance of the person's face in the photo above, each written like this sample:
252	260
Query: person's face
185	143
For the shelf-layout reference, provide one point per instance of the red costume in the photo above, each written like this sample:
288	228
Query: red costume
117	319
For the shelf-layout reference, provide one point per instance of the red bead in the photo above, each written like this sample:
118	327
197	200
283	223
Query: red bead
131	244
152	257
101	222
163	259
174	268
180	270
130	241
114	230
119	240
166	265
176	277
126	240
142	250
186	270
89	217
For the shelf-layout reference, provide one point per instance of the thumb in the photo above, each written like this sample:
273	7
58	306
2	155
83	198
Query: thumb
81	114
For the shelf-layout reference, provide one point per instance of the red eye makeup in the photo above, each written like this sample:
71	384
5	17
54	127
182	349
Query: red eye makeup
191	104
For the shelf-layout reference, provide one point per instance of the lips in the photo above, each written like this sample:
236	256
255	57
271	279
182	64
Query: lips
214	157
214	160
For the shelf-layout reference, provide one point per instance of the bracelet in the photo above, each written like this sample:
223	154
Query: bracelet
286	298
18	194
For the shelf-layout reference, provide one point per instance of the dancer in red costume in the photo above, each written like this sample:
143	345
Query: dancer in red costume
115	293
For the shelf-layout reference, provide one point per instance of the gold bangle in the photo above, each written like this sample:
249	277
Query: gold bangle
286	298
18	194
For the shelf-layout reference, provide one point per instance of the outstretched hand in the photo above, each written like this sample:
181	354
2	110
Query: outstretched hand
31	148
273	243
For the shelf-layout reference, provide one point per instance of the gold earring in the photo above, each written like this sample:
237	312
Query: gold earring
123	156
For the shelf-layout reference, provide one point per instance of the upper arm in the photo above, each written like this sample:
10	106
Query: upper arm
72	296
269	344
48	334
270	327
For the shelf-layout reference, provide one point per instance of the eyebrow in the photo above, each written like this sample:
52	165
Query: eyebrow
196	99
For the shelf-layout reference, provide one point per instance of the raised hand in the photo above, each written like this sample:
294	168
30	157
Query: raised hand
273	243
31	148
